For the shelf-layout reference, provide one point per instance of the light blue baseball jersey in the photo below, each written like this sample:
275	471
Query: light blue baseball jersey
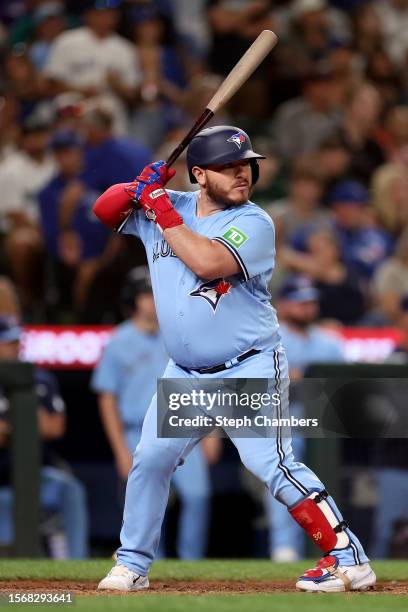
207	323
314	346
130	365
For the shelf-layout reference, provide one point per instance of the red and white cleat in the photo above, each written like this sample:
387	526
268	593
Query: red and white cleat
330	577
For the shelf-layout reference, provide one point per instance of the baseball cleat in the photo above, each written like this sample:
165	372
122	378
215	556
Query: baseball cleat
330	577
121	578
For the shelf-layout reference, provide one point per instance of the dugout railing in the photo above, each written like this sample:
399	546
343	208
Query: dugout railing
17	382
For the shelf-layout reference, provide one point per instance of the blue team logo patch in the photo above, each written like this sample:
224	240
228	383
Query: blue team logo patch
212	291
237	139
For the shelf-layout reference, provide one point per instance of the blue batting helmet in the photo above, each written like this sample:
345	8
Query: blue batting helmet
221	144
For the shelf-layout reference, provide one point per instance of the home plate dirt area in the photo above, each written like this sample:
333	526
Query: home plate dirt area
190	587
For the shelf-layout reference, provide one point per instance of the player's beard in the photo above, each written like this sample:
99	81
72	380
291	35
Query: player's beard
221	197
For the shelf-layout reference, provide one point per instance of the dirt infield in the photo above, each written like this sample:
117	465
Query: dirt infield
194	587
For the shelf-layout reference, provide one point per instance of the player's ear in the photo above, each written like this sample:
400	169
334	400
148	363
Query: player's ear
199	174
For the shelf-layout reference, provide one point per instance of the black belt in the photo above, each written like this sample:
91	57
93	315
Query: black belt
228	364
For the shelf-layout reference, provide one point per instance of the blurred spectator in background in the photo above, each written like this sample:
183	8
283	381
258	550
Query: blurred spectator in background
384	75
393	16
23	173
49	21
390	282
9	128
126	379
22	17
346	67
68	109
332	159
199	92
389	187
302	124
234	26
161	60
62	496
9	305
163	72
22	83
340	295
303	203
309	31
395	135
361	117
368	33
109	159
95	60
73	238
78	243
190	22
304	343
363	246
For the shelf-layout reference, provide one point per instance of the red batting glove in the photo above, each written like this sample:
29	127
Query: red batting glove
147	190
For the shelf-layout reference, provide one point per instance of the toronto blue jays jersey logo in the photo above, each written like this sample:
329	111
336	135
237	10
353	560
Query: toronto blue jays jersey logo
237	139
161	249
212	291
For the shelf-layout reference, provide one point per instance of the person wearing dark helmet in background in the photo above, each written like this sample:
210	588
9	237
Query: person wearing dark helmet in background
211	255
125	380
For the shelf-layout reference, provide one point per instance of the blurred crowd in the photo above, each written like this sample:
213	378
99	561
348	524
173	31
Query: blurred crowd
91	91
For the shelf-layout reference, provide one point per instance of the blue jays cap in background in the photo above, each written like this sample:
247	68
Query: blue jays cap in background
298	289
65	138
10	330
350	192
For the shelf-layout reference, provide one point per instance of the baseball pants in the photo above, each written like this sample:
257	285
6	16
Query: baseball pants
270	459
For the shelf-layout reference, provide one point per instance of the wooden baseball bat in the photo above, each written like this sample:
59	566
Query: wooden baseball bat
248	63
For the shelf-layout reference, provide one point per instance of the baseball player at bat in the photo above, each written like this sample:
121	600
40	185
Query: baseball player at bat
211	254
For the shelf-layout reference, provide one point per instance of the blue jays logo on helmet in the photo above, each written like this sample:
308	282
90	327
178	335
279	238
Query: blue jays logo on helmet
212	291
237	139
